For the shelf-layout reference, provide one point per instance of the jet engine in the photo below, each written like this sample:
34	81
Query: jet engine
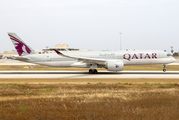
114	65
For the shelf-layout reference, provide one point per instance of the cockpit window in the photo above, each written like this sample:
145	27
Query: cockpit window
168	54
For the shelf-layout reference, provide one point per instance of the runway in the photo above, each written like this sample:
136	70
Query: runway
84	74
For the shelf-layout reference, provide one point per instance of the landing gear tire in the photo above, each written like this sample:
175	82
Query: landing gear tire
90	71
93	71
164	70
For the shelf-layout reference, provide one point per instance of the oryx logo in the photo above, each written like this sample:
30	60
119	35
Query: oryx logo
20	46
117	66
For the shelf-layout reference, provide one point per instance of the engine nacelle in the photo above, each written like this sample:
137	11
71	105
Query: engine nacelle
114	65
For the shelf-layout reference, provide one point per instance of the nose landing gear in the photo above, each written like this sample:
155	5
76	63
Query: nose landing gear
164	70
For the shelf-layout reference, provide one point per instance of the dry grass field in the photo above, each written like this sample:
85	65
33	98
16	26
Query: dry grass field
127	68
100	101
89	99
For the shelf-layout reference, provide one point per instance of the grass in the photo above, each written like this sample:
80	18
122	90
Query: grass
23	82
23	108
127	83
25	92
47	90
146	84
90	101
96	99
127	68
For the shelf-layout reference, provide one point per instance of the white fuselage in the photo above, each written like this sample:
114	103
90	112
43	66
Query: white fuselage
127	57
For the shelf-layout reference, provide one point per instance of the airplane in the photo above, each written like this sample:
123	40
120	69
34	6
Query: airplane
111	60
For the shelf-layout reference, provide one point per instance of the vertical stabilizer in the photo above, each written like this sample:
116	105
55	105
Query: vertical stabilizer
21	47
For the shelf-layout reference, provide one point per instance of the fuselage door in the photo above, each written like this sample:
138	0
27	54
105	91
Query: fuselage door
46	58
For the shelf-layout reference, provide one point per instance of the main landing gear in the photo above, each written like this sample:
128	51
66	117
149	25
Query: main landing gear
93	71
164	66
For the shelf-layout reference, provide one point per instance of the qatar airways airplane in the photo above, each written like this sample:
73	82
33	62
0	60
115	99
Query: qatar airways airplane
111	60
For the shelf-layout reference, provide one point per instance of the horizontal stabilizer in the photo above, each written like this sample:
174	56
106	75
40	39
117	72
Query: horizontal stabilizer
22	58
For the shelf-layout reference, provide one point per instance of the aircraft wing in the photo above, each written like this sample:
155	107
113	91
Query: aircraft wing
83	59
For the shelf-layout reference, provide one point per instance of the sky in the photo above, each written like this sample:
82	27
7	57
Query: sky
91	24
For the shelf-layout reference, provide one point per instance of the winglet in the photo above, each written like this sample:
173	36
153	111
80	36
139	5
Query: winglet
59	53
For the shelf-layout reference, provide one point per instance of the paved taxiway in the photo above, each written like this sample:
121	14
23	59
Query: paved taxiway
84	74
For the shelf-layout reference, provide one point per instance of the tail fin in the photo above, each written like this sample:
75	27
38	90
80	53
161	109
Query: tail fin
21	47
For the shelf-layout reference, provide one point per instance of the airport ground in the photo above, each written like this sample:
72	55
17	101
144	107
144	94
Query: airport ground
12	70
88	98
119	101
